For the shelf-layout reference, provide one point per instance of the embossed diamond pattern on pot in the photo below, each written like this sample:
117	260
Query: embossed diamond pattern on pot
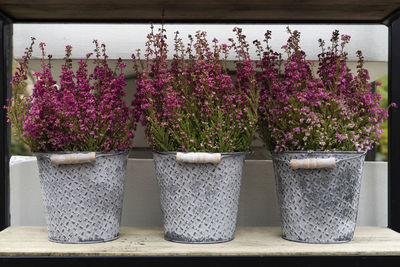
199	201
319	205
83	202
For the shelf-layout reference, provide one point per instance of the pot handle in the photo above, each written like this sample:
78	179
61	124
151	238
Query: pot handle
198	157
313	163
73	158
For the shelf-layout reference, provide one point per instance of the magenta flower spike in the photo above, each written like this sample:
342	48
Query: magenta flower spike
81	112
191	103
334	109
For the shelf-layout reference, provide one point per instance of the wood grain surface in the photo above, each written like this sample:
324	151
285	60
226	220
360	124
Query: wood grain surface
205	10
250	241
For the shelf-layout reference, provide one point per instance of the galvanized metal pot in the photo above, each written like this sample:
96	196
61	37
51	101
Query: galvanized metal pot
83	202
199	201
318	205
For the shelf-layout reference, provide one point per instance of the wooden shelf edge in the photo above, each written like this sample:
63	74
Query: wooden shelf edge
149	242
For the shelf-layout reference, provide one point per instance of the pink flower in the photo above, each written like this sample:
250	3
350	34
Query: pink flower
335	104
192	103
66	117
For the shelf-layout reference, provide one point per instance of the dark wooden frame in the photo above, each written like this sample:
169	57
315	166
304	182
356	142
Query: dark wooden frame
5	93
254	261
393	24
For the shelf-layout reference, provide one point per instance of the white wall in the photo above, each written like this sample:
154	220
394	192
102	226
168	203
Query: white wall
123	39
258	203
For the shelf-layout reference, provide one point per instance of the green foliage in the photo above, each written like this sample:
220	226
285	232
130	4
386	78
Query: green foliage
382	148
19	148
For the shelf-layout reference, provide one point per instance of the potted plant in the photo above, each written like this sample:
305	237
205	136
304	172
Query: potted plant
81	131
318	128
200	124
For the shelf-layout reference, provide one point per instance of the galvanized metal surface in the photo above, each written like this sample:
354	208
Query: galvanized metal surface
319	205
199	202
83	202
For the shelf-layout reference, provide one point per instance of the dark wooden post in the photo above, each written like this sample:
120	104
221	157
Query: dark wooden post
393	23
5	93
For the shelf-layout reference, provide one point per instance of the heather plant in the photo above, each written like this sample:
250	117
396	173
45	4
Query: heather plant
191	103
333	109
83	112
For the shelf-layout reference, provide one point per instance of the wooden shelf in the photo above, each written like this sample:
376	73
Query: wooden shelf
199	11
249	241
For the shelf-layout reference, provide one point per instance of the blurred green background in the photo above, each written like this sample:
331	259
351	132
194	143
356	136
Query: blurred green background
18	148
382	149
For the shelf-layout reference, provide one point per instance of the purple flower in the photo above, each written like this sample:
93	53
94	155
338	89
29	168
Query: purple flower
334	110
85	112
192	104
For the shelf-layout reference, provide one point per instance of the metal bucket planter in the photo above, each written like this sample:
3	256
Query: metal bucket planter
199	201
82	200
318	194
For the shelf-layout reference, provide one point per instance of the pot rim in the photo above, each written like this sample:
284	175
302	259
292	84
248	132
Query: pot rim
318	152
222	153
98	154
